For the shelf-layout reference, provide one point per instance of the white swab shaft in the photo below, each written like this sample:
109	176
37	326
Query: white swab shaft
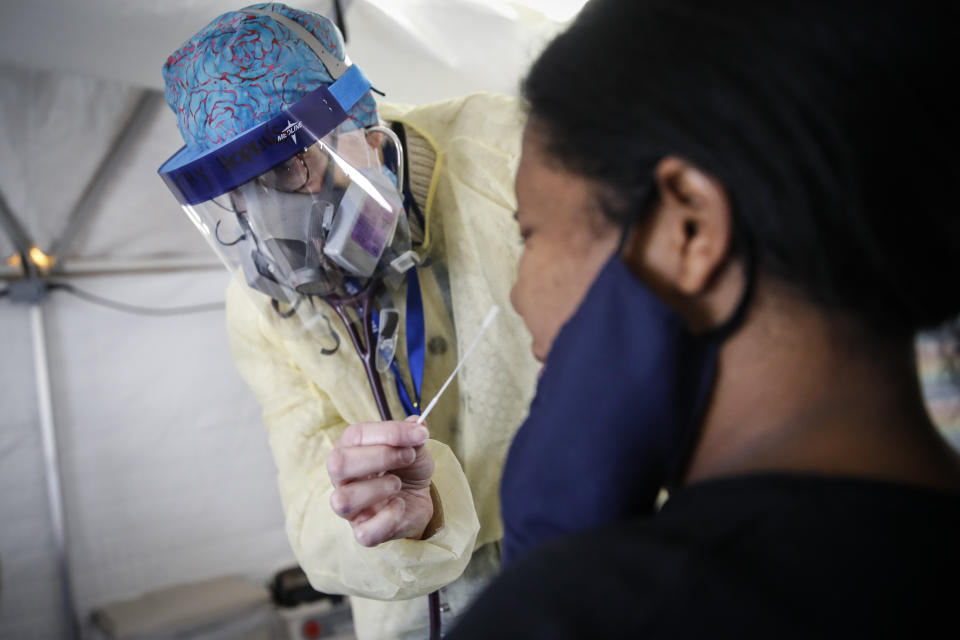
486	323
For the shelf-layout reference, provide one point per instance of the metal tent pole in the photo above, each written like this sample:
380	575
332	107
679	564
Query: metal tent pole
52	464
23	243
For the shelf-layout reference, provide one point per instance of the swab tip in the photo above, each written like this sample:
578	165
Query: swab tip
494	310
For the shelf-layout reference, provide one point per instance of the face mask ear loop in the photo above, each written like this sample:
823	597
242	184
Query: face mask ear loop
723	331
681	457
720	333
713	339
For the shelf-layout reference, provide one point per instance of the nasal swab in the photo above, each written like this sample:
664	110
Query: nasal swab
486	323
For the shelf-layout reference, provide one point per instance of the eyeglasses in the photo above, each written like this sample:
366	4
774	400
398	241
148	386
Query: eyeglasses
292	175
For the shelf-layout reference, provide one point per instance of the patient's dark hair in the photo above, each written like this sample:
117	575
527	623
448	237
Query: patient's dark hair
831	123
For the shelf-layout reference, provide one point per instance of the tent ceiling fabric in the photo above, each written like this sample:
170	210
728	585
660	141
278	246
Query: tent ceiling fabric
128	40
71	74
57	129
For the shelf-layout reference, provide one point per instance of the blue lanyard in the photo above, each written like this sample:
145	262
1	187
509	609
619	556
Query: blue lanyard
416	346
415	328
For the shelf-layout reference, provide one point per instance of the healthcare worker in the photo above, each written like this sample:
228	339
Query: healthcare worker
295	182
734	228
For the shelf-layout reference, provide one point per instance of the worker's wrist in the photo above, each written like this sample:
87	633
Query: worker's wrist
436	520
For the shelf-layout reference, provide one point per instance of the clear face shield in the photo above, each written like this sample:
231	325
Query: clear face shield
306	209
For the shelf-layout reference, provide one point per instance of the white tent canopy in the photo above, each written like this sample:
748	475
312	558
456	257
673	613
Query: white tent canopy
136	429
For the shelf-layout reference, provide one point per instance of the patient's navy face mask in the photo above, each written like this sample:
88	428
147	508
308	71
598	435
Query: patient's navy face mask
616	411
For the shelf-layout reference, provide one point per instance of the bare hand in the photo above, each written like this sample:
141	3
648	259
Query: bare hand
381	476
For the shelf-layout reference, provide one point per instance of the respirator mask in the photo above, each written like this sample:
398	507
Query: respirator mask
318	221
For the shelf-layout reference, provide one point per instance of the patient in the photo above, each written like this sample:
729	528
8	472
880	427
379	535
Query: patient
742	204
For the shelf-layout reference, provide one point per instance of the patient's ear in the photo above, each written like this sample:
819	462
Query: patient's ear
683	244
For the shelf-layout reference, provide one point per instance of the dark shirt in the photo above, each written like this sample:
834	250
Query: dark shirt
765	556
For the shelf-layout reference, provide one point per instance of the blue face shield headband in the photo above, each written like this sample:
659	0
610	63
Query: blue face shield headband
198	177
